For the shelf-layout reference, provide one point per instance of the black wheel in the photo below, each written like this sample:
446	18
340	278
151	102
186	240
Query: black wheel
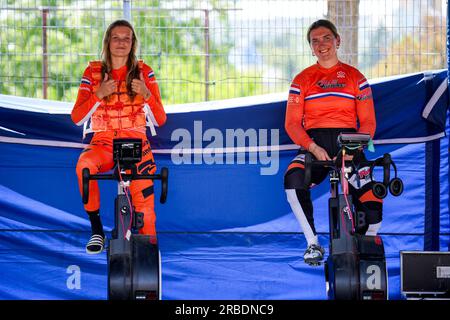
396	187
146	269
327	277
330	278
119	277
379	190
346	278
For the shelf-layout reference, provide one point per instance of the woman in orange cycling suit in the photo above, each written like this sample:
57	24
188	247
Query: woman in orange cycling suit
324	100
118	98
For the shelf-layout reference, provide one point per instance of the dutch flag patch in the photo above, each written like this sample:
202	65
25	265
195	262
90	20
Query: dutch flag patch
294	89
85	80
363	84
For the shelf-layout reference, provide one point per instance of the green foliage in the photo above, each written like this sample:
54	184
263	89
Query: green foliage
412	53
174	48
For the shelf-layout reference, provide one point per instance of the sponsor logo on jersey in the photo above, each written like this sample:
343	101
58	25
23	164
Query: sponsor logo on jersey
328	84
364	173
363	97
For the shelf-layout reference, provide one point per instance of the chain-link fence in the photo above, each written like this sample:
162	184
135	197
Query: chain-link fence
213	49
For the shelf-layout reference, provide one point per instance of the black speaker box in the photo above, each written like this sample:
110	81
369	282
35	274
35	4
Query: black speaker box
425	274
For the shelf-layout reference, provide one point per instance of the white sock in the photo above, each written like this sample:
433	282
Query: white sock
373	229
311	238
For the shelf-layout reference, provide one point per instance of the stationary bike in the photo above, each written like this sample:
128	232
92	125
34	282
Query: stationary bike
356	266
134	267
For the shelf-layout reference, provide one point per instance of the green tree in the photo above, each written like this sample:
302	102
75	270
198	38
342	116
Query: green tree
412	52
174	48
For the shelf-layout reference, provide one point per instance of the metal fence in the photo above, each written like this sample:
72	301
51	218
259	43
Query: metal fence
213	49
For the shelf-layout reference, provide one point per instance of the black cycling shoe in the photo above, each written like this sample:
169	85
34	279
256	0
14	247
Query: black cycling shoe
96	244
314	255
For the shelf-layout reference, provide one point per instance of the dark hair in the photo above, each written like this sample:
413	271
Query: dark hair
322	23
132	62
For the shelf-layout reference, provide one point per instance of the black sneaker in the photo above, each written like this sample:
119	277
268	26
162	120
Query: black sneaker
314	255
96	244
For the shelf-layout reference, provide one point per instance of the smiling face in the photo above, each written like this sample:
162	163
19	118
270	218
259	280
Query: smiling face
120	42
324	46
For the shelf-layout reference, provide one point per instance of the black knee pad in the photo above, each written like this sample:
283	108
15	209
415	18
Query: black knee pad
373	212
294	179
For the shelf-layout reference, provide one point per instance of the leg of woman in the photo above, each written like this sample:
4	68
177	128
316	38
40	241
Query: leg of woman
360	187
97	158
299	198
142	192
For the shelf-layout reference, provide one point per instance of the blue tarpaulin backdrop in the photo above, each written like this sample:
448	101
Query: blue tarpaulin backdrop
226	231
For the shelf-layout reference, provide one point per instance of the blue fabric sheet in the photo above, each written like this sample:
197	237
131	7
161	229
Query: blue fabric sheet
226	231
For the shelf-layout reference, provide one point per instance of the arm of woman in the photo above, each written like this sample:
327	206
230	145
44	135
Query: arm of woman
364	107
153	96
87	102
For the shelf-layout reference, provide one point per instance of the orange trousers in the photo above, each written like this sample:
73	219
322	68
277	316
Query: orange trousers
98	158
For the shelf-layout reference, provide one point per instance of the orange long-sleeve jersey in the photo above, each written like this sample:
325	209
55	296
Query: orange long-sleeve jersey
87	102
338	97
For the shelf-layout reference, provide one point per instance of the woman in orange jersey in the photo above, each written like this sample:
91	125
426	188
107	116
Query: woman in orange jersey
324	100
118	98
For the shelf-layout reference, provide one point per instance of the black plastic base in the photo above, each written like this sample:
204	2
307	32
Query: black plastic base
133	269
358	274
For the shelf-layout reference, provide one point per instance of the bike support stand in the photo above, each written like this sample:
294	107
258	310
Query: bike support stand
134	262
356	265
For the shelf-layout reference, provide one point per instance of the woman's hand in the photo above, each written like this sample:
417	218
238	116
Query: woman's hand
319	152
106	88
138	86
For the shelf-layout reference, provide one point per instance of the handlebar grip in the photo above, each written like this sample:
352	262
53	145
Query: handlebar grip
164	184
308	164
85	176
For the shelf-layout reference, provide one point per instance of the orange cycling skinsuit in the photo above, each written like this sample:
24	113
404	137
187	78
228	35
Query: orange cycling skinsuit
118	116
329	98
323	102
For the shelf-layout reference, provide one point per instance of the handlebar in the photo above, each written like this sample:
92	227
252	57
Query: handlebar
384	162
379	188
163	176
